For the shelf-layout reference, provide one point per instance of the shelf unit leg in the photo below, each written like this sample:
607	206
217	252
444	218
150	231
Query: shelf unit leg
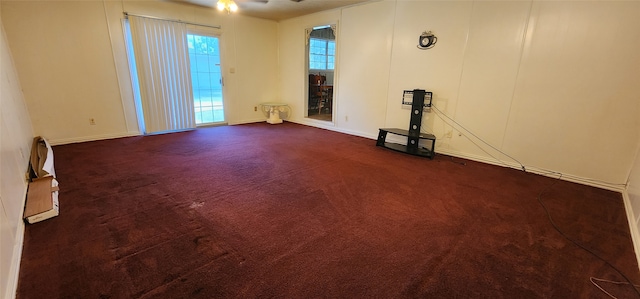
382	136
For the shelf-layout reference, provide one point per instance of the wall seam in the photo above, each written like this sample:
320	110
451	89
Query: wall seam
515	84
115	66
393	35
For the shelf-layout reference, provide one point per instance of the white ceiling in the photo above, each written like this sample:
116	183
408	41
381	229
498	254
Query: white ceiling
278	9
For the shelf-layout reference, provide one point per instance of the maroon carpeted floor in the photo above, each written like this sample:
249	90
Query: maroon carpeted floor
291	211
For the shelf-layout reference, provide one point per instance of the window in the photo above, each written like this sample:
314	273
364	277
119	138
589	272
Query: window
322	54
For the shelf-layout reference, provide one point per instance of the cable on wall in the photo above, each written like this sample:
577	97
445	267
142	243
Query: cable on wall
450	120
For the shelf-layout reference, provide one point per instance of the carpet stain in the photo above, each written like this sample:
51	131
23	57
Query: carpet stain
196	205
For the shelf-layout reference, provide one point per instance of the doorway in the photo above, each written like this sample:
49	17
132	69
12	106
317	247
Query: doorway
320	67
206	79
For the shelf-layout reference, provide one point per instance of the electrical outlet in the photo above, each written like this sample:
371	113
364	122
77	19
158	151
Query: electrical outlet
255	108
346	118
92	121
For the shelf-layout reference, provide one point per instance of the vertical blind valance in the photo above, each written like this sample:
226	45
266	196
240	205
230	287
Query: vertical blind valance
164	76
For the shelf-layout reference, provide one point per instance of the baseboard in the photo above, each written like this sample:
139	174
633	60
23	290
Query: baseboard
544	172
331	127
12	283
91	138
248	121
16	255
633	225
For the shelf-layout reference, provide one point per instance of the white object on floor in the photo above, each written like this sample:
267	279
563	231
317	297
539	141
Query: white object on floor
273	110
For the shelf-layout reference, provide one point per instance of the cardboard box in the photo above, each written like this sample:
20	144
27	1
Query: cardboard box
42	200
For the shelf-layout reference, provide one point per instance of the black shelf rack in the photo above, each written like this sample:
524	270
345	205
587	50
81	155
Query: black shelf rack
413	134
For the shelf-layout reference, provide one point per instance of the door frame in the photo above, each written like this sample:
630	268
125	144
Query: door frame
334	26
217	33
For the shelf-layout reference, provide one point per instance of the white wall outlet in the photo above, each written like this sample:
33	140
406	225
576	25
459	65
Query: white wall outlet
255	108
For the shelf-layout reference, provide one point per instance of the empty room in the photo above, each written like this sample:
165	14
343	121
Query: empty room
320	149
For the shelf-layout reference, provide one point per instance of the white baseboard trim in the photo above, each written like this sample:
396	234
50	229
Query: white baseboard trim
14	272
91	138
331	127
544	172
16	255
633	225
248	121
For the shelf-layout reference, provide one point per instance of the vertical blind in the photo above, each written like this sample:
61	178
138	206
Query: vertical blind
162	60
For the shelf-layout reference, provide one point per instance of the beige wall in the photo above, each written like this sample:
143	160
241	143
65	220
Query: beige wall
291	67
15	145
63	56
551	83
71	58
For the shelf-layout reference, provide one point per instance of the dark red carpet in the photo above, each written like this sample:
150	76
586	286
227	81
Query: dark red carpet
290	211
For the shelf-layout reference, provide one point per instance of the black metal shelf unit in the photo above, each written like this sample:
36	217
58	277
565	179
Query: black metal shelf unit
413	134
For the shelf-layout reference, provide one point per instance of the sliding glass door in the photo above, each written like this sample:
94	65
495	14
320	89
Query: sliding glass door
176	79
206	78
